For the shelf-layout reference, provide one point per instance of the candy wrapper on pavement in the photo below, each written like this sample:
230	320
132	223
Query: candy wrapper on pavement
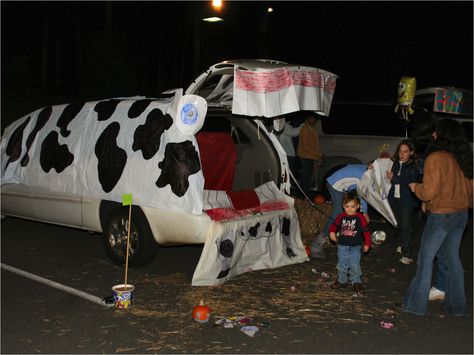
374	187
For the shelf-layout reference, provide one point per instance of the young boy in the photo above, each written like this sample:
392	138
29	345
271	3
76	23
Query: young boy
353	232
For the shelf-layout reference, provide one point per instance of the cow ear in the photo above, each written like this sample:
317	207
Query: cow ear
173	107
190	114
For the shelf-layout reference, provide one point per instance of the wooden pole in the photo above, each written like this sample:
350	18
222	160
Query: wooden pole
128	242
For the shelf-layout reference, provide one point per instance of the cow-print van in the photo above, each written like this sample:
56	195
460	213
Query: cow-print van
198	171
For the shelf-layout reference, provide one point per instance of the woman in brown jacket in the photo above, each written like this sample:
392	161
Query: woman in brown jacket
447	191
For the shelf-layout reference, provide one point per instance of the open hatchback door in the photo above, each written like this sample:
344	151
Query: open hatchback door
266	88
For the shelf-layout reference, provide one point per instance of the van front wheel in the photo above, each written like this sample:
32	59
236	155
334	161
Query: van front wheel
142	246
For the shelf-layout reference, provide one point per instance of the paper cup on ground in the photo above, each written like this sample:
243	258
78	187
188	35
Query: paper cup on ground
123	296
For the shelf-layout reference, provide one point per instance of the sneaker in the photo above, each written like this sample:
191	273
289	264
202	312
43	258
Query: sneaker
399	250
436	295
357	287
336	284
406	261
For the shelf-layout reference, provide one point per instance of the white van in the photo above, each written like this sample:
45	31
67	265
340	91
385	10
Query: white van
199	172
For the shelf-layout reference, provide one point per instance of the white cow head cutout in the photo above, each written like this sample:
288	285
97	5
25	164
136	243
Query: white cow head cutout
190	114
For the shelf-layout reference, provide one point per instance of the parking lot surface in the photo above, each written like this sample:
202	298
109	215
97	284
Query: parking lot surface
293	307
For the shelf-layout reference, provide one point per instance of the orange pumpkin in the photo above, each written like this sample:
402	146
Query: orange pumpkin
319	199
201	313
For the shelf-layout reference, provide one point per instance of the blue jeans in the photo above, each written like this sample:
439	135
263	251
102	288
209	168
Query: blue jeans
336	201
348	259
404	216
440	278
442	232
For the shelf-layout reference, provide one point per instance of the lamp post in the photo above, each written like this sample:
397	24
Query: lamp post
199	14
217	4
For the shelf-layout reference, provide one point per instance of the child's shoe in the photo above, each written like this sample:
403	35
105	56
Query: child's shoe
357	287
336	285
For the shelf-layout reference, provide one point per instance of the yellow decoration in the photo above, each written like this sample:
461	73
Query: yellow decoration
406	94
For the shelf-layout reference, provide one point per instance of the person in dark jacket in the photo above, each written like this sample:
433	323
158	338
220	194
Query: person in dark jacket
402	201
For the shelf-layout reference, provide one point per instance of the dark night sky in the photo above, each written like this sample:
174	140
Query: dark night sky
91	50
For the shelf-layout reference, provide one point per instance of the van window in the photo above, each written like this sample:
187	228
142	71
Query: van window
209	85
216	85
363	119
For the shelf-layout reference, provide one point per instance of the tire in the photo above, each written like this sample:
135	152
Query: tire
142	245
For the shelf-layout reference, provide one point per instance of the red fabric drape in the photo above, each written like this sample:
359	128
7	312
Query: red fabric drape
218	157
244	199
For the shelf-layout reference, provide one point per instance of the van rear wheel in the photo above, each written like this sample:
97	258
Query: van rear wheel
142	245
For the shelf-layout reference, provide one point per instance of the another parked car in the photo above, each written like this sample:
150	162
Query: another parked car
359	132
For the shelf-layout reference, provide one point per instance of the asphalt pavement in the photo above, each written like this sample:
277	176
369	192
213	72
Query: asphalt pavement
293	307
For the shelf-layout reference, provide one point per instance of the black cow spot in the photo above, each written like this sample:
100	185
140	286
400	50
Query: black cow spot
105	109
14	143
138	107
147	137
254	230
226	248
181	161
54	155
112	158
69	113
290	252
285	229
43	117
223	273
269	228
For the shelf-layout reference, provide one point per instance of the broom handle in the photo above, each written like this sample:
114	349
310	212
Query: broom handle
307	198
128	241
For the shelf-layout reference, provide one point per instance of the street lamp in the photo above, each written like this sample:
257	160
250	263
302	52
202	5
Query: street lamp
198	14
217	5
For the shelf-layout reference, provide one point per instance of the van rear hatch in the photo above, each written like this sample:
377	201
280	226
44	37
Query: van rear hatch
261	88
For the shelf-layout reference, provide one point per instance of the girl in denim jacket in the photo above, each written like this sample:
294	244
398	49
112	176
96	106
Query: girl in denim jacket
402	201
